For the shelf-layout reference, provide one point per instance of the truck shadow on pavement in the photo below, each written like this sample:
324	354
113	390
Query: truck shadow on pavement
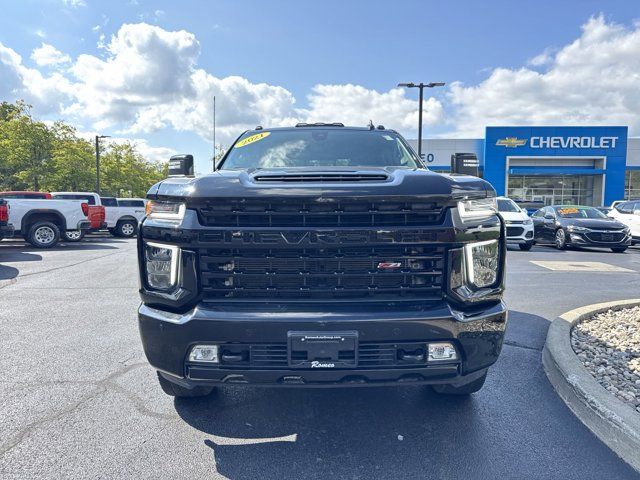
8	272
515	427
17	247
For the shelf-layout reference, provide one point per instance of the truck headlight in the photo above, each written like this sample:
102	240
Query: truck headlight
477	209
482	263
165	210
161	264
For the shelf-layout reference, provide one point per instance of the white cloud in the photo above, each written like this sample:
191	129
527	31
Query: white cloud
542	59
46	55
47	93
592	81
147	78
74	3
356	105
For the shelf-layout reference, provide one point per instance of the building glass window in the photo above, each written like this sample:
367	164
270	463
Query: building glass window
553	189
632	185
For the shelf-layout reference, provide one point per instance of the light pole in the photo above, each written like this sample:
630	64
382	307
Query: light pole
98	137
421	86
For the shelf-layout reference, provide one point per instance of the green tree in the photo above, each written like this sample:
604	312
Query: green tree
73	165
25	147
125	172
34	155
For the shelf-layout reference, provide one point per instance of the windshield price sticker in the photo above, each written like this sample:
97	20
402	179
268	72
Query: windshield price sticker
252	139
567	211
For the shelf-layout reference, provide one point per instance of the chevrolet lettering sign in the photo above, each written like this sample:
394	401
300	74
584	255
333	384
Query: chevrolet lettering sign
511	142
573	142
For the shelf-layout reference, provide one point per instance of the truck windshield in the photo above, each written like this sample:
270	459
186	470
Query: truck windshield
319	147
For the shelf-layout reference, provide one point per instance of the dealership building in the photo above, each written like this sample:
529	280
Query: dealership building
554	165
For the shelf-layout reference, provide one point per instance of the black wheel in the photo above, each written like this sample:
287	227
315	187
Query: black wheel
561	239
43	234
126	228
467	389
73	235
525	246
174	390
619	249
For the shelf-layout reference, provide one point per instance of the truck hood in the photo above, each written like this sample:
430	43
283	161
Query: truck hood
322	182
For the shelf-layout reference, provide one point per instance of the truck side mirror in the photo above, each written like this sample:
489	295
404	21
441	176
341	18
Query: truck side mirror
181	166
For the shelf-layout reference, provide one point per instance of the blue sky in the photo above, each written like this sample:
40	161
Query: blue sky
264	62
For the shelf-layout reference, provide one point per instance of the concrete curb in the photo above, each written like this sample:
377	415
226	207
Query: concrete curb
611	420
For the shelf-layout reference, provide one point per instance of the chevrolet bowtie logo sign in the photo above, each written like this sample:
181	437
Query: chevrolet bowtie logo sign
511	142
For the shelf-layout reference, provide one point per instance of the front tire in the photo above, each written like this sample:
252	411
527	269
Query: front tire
468	389
73	235
43	234
126	228
561	239
174	390
619	249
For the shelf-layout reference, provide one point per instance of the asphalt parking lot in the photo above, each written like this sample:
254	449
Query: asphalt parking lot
79	401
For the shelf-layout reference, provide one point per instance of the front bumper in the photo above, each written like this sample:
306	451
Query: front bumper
583	240
6	231
168	337
519	234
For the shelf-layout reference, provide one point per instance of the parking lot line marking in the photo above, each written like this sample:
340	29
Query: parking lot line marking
580	266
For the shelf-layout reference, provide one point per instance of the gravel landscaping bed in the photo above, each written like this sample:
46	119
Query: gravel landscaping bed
608	344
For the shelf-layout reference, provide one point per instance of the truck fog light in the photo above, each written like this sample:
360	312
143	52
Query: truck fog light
441	351
482	263
161	263
204	353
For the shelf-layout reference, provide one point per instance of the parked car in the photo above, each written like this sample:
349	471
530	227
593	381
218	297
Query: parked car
629	214
605	210
578	226
123	215
6	228
41	222
343	263
519	225
25	194
96	211
529	206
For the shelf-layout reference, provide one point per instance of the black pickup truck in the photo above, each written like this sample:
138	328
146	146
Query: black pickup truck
321	255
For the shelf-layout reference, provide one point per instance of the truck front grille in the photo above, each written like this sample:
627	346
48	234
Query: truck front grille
275	355
329	212
380	272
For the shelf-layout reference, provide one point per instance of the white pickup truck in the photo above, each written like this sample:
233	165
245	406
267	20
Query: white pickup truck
123	215
42	222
